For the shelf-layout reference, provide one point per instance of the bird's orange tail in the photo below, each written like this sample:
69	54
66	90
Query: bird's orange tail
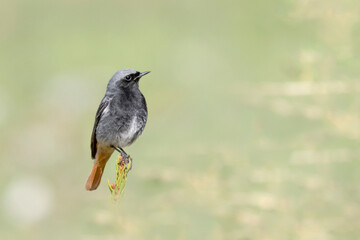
102	156
95	176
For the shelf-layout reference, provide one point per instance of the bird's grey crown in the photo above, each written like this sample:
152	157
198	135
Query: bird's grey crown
119	75
122	73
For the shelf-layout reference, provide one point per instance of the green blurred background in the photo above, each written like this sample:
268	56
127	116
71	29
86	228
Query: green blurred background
253	129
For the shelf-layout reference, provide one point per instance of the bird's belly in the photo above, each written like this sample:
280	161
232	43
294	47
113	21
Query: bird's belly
130	133
122	130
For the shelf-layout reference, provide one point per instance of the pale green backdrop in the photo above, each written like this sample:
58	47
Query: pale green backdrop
253	129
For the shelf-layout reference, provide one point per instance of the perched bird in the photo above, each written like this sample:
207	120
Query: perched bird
119	121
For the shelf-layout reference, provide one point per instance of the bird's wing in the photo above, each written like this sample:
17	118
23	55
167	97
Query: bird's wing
104	103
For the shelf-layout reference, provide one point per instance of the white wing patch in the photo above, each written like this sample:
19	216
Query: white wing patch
106	110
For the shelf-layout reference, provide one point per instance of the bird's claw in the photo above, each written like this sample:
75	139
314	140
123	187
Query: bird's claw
126	159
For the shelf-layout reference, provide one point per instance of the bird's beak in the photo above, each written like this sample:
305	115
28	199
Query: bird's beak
142	74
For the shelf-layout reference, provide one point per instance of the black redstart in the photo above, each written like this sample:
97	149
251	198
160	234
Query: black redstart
119	120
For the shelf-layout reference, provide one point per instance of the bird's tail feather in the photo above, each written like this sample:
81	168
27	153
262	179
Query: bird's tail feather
95	176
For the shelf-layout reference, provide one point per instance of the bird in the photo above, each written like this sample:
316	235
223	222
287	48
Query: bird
120	119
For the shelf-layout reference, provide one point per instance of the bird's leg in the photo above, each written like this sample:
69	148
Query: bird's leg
124	155
120	150
127	159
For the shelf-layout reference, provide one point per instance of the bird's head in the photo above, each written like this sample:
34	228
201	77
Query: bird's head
126	78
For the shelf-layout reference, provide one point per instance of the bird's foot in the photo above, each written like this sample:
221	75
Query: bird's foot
128	161
124	155
125	158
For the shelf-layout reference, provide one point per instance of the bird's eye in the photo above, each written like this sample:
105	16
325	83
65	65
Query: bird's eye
128	77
